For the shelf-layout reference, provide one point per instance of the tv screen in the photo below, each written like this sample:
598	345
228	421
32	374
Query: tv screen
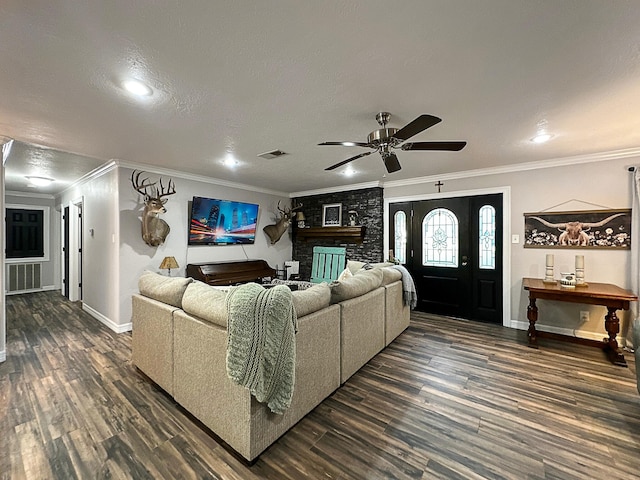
222	222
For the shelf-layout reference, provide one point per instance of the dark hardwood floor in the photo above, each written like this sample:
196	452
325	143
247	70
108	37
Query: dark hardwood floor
448	399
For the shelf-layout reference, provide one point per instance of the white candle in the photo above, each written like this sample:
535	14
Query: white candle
549	260
579	261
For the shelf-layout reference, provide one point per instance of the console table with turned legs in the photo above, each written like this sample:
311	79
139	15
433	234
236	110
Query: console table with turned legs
611	296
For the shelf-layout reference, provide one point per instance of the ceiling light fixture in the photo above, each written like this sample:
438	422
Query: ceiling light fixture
137	87
542	138
349	172
39	181
230	160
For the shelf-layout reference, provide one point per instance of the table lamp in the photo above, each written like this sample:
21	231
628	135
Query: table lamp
301	218
169	263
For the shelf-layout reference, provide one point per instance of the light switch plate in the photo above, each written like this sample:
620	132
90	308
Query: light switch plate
515	238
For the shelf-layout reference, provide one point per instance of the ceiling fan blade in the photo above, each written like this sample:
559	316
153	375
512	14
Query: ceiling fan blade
347	144
344	162
451	146
418	125
391	162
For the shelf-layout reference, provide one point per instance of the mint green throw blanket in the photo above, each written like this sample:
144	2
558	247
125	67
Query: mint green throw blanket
261	343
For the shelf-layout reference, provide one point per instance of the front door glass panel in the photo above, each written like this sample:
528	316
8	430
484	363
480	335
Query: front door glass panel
440	241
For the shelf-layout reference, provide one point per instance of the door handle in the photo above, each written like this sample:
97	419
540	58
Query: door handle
465	260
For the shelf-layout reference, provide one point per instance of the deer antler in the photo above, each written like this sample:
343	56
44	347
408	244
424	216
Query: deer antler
171	189
287	210
139	187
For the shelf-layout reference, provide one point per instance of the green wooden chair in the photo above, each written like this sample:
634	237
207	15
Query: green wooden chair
328	263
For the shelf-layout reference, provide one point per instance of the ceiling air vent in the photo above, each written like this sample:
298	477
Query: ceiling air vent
272	154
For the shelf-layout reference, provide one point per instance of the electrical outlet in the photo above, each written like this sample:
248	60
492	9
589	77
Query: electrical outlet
584	316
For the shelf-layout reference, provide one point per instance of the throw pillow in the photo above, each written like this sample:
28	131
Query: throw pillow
354	265
355	286
312	299
389	275
346	273
302	285
206	302
164	289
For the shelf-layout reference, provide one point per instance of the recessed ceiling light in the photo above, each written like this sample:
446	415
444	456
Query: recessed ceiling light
349	172
39	181
137	87
542	137
230	160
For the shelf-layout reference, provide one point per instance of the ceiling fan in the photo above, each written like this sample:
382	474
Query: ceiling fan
383	139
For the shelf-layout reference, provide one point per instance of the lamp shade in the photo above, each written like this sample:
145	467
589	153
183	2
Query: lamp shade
300	216
169	263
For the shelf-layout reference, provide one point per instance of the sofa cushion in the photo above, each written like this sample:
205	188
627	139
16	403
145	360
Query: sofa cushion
311	299
389	275
355	286
163	289
206	302
355	266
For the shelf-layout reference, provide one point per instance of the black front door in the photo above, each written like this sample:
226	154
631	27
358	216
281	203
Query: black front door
454	253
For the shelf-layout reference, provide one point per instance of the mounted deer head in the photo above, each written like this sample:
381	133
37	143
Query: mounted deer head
154	229
274	232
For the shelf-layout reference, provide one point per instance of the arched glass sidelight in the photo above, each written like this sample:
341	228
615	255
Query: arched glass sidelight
487	237
440	239
400	238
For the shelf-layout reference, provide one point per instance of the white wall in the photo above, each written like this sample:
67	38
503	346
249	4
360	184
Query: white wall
136	256
587	186
101	250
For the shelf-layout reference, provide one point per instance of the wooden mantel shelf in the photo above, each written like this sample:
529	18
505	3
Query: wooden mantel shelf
355	234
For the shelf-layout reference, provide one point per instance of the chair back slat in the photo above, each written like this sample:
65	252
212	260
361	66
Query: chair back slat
328	263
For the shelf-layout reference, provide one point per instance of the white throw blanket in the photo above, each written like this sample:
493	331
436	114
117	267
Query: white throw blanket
409	293
261	343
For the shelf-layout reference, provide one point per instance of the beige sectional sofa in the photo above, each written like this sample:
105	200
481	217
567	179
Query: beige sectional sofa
179	341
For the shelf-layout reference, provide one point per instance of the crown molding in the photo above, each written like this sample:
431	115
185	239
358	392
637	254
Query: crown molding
45	196
522	167
342	188
95	173
196	178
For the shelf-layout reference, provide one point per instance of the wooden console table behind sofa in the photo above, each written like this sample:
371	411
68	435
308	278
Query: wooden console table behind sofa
230	272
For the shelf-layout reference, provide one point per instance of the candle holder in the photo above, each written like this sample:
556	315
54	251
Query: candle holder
548	271
580	271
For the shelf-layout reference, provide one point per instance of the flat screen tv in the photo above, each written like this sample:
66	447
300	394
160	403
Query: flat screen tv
222	222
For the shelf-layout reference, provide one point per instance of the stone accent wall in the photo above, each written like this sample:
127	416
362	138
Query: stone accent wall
370	207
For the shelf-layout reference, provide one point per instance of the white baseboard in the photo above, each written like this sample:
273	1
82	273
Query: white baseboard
569	332
106	321
46	288
3	355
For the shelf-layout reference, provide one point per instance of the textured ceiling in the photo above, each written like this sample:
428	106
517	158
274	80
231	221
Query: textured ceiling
246	77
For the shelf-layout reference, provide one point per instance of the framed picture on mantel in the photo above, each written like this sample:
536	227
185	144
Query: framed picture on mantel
332	215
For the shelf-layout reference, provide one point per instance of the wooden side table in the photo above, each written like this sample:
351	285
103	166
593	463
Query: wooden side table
606	294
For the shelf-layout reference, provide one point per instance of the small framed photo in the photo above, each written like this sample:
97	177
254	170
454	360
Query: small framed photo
332	215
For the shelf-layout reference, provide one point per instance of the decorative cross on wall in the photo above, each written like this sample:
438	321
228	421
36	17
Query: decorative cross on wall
439	184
